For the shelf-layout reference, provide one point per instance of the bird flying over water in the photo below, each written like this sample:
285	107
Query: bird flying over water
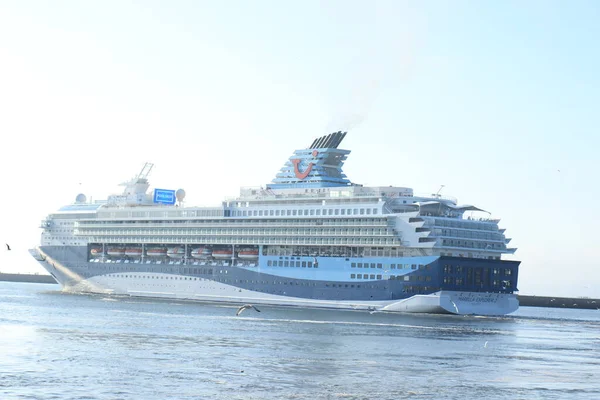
245	307
7	246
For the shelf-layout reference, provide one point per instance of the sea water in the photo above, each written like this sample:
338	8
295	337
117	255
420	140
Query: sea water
55	345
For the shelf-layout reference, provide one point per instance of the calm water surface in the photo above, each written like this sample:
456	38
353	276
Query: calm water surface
66	346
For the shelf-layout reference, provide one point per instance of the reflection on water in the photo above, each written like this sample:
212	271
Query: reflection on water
69	346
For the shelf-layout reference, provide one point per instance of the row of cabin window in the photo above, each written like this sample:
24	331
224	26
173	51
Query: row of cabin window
392	266
469	234
459	281
472	245
365	276
457	269
328	211
392	277
184	278
247	281
298	264
420	289
205	271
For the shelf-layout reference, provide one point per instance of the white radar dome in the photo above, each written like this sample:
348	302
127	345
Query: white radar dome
180	194
80	198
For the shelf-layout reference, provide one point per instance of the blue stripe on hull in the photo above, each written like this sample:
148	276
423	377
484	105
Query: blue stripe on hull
433	277
339	269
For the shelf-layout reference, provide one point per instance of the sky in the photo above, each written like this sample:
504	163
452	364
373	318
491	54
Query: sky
497	101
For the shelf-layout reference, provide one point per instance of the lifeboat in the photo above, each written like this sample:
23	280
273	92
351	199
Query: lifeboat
115	251
222	254
156	252
96	252
248	253
133	252
201	252
176	252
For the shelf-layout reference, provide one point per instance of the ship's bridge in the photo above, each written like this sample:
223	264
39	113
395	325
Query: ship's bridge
444	208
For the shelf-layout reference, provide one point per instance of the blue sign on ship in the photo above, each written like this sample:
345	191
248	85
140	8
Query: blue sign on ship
164	196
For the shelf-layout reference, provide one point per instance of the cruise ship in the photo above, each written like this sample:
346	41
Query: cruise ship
310	238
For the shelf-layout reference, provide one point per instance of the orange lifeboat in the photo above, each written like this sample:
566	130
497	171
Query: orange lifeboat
115	251
201	252
133	252
222	254
156	252
176	252
248	254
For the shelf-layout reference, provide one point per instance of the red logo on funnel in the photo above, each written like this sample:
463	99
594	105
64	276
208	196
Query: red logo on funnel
296	162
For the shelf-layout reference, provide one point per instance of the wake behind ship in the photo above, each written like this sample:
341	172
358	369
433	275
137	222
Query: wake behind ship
311	238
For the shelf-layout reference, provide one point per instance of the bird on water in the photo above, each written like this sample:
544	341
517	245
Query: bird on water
245	307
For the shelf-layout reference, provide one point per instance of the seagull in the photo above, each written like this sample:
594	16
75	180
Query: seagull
245	307
485	344
7	246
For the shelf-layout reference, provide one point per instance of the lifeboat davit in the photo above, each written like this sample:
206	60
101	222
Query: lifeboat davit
248	253
156	252
115	251
96	252
176	252
133	252
222	254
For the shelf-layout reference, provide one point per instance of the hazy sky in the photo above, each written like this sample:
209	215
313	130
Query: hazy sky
498	101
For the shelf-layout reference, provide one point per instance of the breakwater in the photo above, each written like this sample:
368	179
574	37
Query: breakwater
559	302
30	278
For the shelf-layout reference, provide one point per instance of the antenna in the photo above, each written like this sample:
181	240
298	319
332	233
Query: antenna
439	190
437	196
144	172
